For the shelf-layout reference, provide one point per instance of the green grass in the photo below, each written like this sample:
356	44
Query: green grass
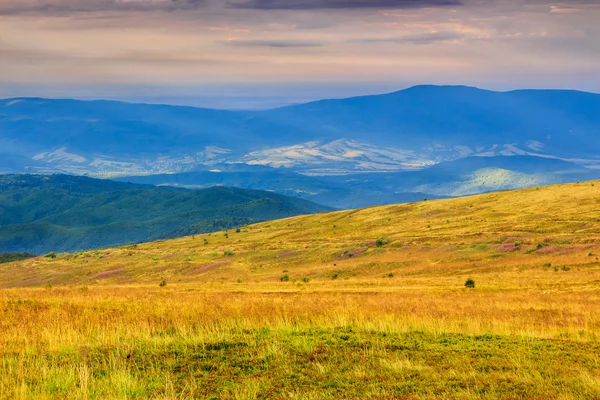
346	362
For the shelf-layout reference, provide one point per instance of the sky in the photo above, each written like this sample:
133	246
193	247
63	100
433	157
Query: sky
265	53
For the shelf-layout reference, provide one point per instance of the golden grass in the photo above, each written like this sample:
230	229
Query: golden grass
357	316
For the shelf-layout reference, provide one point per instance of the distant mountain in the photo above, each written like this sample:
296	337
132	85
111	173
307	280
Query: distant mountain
401	131
473	175
464	176
39	213
335	191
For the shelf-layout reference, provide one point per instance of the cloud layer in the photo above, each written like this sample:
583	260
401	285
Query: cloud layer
53	7
169	46
343	4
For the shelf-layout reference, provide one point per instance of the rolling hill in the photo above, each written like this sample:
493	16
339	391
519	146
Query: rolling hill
416	242
42	213
368	303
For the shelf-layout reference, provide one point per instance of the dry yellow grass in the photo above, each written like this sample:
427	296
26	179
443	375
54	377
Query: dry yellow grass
377	294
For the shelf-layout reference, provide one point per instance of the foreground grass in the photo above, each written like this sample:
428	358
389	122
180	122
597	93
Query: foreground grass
355	304
181	342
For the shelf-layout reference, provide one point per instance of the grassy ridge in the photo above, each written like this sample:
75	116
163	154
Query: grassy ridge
355	304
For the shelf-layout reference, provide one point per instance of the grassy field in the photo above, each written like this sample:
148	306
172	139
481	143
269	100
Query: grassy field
354	304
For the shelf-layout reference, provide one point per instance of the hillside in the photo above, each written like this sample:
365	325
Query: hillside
369	303
40	213
493	237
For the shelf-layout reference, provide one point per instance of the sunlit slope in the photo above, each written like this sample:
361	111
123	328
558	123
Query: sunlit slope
543	238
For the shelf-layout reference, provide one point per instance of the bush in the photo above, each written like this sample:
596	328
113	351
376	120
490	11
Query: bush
470	283
162	283
285	278
228	253
305	279
335	275
381	242
51	255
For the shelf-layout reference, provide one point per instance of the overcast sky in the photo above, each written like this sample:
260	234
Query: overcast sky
262	53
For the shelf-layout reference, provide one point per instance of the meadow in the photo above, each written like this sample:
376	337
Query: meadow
365	303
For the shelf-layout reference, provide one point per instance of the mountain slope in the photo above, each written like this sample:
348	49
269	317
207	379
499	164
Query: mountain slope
65	213
495	238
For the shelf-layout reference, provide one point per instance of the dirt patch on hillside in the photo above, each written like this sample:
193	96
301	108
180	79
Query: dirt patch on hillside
208	267
105	274
351	253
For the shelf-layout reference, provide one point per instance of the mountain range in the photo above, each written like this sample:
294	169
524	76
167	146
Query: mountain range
43	213
405	130
425	141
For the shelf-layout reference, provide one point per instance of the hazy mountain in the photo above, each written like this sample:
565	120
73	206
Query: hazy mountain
405	130
452	178
473	175
331	191
66	213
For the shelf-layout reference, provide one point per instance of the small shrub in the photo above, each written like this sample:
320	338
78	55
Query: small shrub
238	230
565	268
51	255
285	278
335	275
381	242
390	275
305	279
228	253
470	283
162	283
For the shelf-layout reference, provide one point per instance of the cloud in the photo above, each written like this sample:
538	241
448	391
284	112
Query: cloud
38	56
60	7
342	4
272	43
427	38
